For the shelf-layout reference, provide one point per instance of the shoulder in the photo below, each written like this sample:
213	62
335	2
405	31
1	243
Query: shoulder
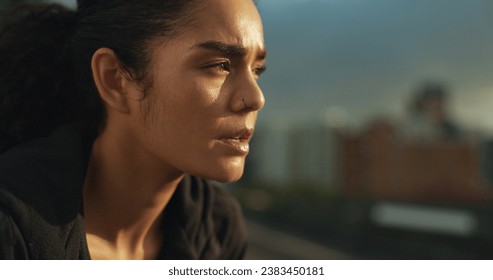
42	168
218	217
40	189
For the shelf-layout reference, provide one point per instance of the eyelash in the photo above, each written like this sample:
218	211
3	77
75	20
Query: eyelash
225	66
259	70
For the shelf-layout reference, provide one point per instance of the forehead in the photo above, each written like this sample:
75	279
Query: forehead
230	21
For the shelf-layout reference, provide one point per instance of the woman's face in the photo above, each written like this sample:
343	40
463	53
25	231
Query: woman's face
204	99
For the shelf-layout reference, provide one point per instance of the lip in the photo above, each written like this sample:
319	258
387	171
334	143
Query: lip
238	140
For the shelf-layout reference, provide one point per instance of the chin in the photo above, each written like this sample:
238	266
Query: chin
227	178
223	173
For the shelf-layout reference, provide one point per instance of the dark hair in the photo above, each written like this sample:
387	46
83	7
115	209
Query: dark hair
46	51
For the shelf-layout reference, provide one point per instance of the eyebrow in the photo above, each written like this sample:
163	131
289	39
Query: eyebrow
231	50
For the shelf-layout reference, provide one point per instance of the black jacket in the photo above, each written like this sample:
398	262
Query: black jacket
41	198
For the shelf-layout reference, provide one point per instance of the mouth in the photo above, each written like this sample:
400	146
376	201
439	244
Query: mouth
238	140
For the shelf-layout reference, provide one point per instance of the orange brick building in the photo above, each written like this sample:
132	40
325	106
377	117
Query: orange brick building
377	164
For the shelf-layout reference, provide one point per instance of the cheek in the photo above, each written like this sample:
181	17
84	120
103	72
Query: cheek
198	103
206	91
184	119
185	109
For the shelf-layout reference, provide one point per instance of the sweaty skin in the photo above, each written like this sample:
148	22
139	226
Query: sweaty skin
197	118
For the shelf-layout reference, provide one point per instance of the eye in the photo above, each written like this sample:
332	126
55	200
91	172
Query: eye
259	70
224	66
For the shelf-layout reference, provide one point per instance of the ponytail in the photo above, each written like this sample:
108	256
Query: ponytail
35	74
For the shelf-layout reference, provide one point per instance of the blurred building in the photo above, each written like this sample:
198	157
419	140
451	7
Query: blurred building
428	118
267	161
311	154
299	154
377	164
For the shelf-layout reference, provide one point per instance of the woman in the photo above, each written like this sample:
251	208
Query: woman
110	117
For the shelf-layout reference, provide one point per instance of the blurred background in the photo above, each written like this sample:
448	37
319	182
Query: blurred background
376	141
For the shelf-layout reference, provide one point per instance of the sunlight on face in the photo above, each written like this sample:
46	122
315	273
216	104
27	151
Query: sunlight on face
205	96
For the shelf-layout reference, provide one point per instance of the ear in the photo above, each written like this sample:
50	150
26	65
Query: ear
113	84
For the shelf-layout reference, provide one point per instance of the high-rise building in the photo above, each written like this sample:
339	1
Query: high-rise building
283	154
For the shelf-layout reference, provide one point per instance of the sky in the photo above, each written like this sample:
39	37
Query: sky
367	57
359	59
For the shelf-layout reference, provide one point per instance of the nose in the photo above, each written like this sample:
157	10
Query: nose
248	97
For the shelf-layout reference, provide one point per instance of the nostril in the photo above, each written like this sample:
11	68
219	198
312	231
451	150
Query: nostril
244	103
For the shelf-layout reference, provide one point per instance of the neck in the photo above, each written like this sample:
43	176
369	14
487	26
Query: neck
125	193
